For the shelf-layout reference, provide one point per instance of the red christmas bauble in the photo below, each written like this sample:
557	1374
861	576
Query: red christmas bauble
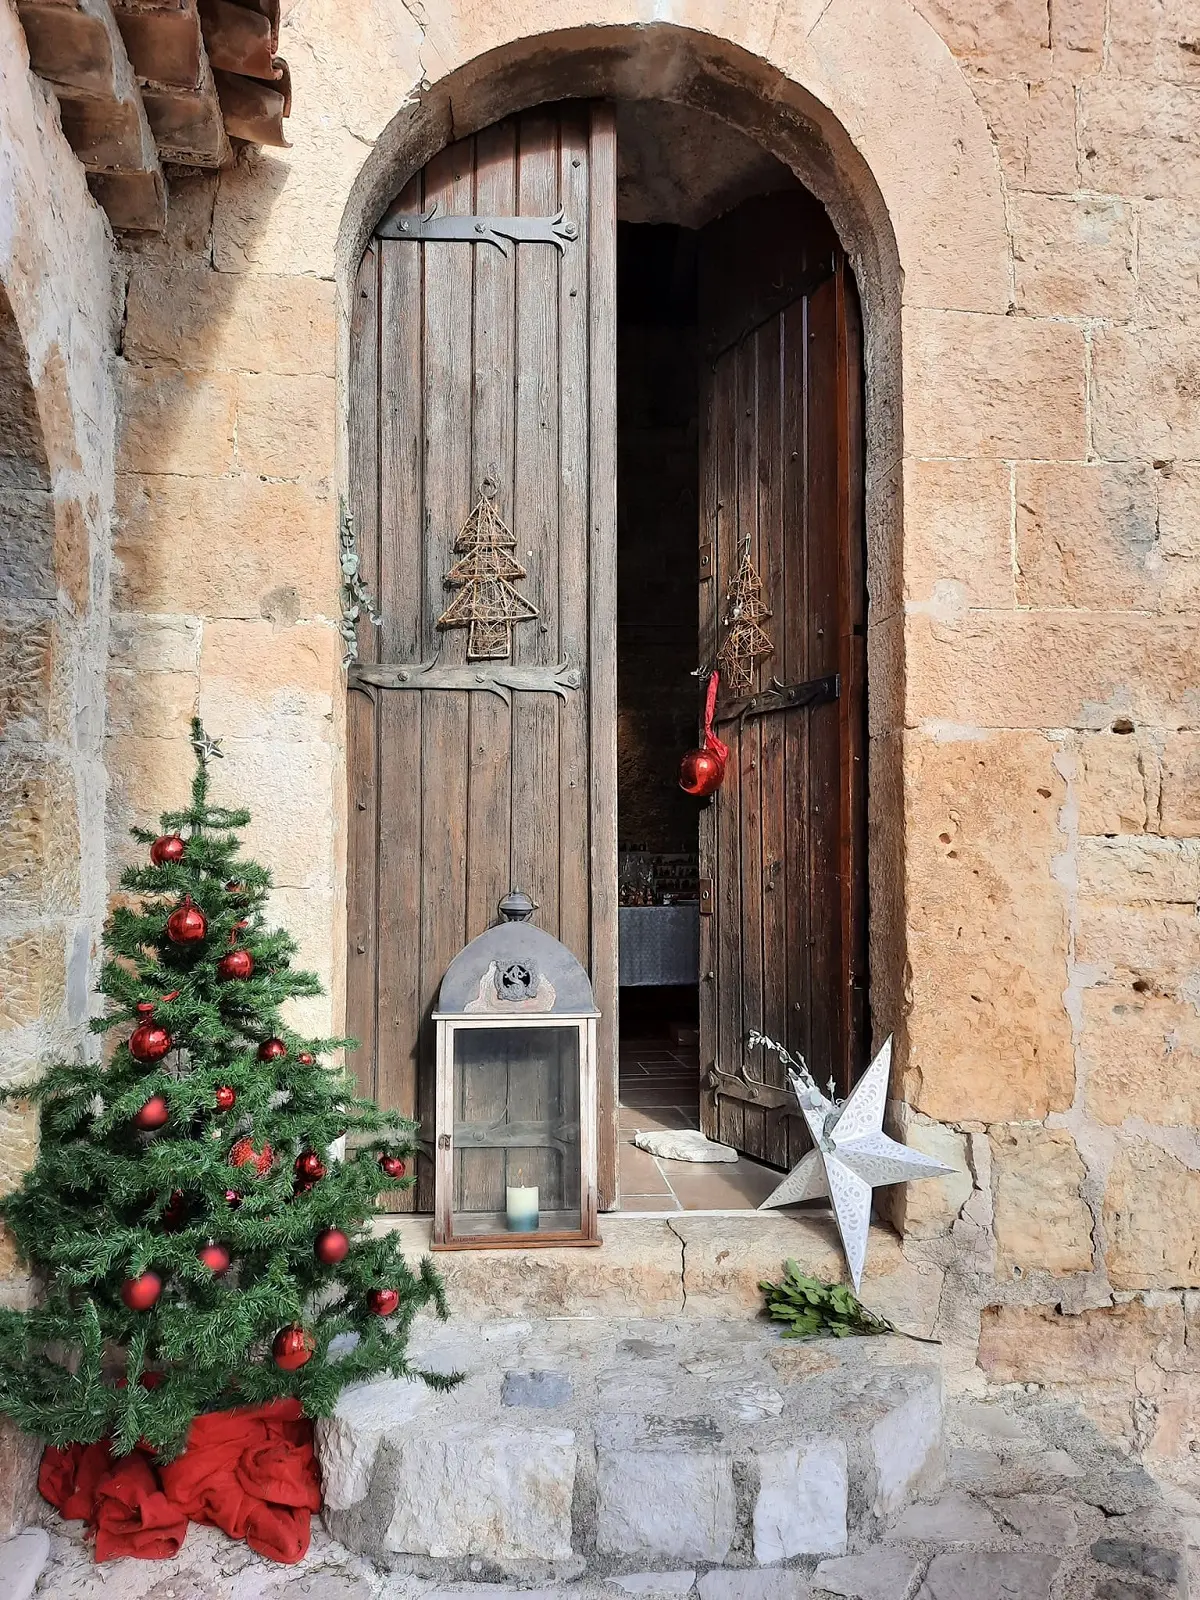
235	964
153	1380
139	1294
331	1246
169	848
393	1166
226	1098
271	1050
292	1348
232	1199
154	1114
383	1301
309	1165
175	1214
149	1041
215	1257
187	923
701	772
243	1154
305	1059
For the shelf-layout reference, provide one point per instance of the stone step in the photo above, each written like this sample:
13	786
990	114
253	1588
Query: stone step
584	1443
689	1264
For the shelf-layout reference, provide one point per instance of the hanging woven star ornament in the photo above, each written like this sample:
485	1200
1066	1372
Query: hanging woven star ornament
852	1156
486	602
746	640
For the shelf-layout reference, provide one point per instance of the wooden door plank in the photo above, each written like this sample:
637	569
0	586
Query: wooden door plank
602	650
482	1092
727	801
447	341
575	571
363	424
536	830
772	568
747	775
824	721
399	597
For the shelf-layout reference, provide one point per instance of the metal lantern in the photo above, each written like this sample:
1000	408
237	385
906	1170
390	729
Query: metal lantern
516	1091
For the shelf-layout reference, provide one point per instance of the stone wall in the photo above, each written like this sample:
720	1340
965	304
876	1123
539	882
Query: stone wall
1013	184
57	433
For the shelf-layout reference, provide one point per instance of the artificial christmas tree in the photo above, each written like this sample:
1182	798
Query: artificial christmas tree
196	1229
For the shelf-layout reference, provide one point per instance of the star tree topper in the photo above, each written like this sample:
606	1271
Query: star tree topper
852	1156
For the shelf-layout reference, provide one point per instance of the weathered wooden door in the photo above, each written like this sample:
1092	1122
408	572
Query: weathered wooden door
783	929
485	355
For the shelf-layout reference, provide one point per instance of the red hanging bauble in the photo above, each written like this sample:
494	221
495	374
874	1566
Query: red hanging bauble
235	964
271	1050
215	1257
187	923
331	1246
383	1301
702	771
232	1199
292	1347
305	1059
154	1114
149	1041
175	1214
226	1098
243	1154
139	1294
309	1165
169	848
393	1166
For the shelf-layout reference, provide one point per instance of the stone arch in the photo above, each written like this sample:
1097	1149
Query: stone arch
879	124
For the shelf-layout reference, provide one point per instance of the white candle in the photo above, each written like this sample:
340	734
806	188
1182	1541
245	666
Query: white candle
521	1207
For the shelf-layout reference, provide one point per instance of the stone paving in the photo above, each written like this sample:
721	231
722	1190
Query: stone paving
1017	1497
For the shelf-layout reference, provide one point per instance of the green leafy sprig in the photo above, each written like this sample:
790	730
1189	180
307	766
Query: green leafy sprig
811	1308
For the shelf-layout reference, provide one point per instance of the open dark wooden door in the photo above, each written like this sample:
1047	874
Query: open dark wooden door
474	359
783	843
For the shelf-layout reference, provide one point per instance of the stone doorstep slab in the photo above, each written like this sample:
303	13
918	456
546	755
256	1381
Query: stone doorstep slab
698	1265
587	1442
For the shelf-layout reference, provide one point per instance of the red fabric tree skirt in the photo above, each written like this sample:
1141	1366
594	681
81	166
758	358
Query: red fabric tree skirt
250	1472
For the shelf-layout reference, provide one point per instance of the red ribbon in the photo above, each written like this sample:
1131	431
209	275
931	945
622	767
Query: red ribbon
711	742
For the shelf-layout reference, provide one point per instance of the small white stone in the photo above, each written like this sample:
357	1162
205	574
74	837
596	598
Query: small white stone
873	1575
801	1504
21	1563
683	1144
654	1583
348	1441
751	1402
955	1519
474	1490
665	1504
907	1447
779	1584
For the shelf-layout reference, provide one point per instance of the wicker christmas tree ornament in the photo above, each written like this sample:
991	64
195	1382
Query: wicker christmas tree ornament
484	574
746	640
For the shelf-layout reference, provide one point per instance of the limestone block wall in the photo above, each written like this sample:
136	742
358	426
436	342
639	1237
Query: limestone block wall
1016	186
57	432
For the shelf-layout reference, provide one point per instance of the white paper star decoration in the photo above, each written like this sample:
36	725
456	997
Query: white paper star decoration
851	1156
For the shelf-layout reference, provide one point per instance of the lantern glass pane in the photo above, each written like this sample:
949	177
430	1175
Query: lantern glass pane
517	1156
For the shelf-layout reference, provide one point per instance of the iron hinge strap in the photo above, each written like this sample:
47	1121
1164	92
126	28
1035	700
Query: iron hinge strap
783	697
429	228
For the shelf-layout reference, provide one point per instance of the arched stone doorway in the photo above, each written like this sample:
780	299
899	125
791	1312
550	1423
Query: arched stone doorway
419	366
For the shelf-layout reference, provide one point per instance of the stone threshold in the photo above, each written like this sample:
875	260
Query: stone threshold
692	1264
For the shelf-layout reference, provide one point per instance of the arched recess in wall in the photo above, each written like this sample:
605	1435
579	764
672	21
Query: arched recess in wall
708	75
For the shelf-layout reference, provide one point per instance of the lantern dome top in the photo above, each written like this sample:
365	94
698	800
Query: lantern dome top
515	969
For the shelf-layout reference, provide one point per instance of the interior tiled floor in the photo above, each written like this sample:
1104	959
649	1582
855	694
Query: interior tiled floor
660	1088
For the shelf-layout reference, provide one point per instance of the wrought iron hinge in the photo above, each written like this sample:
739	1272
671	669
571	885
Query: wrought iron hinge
783	697
429	228
492	677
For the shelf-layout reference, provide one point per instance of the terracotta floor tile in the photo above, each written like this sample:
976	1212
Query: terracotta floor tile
728	1186
639	1172
649	1202
633	1119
